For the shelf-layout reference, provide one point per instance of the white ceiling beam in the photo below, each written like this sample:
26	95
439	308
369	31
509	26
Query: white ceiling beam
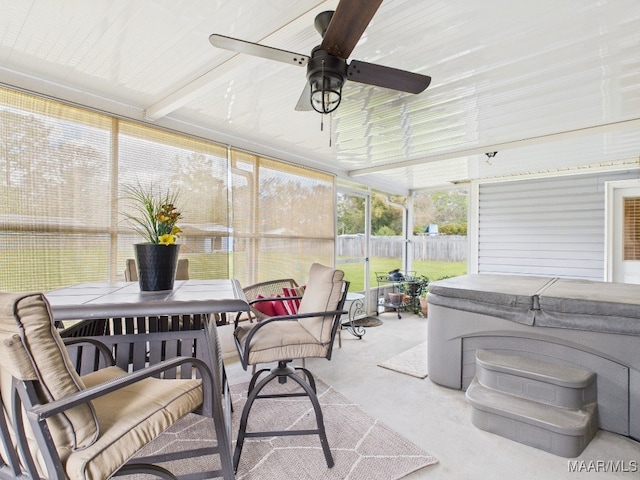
193	89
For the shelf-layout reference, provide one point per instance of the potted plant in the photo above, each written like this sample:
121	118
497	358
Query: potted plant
424	306
154	215
413	289
422	288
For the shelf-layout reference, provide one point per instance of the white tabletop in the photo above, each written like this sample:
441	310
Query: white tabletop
124	299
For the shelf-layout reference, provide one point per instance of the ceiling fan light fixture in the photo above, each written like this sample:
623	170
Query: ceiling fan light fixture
326	92
326	75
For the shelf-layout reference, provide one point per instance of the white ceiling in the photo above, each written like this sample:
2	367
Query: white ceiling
551	85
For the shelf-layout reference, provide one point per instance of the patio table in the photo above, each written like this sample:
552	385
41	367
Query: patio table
124	299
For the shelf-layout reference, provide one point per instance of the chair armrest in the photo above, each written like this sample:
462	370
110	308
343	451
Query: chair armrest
42	412
274	299
104	350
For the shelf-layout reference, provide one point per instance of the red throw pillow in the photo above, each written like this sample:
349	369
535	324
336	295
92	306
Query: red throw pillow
292	305
265	307
278	306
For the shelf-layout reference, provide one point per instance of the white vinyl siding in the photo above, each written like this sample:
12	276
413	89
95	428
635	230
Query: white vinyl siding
549	226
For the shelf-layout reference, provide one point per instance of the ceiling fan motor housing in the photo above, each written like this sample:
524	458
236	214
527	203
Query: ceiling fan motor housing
326	74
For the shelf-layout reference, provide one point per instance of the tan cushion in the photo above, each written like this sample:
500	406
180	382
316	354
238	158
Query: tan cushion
131	270
280	340
129	418
14	357
323	292
182	270
29	317
16	363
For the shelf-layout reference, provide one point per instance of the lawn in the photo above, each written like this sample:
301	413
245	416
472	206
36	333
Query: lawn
432	270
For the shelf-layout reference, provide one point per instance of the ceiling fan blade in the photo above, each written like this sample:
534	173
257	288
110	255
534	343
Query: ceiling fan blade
304	102
250	48
387	77
347	26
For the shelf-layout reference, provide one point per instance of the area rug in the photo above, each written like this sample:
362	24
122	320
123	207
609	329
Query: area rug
363	448
411	362
368	322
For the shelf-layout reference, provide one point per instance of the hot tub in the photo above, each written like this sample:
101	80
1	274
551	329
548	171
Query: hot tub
593	325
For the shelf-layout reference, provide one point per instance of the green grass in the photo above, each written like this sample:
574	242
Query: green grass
44	268
432	270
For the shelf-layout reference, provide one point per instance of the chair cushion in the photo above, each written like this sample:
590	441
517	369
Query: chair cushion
14	357
322	293
129	418
29	317
280	340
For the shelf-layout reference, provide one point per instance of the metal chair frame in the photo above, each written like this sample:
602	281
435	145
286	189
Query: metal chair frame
283	372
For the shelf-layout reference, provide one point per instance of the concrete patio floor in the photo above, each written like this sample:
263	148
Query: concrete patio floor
438	419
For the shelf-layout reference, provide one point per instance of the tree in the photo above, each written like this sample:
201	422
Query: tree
446	209
350	214
385	215
450	207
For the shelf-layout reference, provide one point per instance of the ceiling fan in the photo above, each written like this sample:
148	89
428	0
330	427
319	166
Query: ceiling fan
327	67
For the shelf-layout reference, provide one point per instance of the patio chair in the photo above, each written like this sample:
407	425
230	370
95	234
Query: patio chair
309	333
274	298
60	424
131	270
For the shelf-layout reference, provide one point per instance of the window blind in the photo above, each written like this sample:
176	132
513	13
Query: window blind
284	219
62	169
55	195
631	238
194	168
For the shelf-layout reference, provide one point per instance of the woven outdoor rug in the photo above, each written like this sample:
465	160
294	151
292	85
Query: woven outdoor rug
411	362
363	448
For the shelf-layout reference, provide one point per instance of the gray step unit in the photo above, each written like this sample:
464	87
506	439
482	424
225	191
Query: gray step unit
543	405
558	385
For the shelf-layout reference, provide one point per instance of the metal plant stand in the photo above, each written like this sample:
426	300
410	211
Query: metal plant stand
356	311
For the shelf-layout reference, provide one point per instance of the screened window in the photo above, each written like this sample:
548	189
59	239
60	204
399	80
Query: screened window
197	170
55	196
283	219
62	169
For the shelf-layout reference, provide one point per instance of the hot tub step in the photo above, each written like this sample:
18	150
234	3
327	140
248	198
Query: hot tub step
548	383
561	431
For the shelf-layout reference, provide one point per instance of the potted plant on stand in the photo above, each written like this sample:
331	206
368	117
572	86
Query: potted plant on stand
413	289
154	215
423	288
424	306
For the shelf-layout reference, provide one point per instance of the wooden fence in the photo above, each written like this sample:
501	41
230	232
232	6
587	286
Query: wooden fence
440	248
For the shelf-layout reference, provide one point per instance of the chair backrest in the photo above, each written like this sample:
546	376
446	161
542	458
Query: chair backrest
325	291
131	270
268	288
31	350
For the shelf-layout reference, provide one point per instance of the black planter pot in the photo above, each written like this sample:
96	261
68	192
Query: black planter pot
156	265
